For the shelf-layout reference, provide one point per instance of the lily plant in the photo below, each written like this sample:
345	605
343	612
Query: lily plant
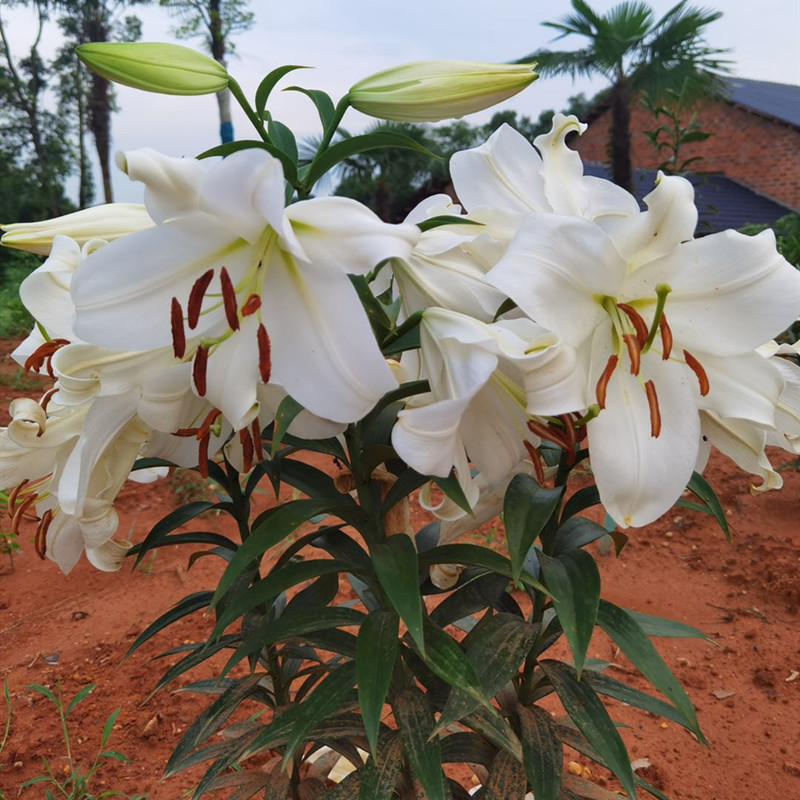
465	361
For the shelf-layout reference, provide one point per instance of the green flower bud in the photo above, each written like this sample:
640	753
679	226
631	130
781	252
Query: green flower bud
155	67
428	91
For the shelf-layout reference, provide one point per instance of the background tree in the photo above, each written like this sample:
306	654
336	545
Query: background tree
216	21
637	54
32	139
85	21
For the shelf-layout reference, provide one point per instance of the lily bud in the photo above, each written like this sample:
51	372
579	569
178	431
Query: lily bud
429	91
155	67
109	222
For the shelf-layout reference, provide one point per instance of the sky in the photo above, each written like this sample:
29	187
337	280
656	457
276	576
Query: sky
346	40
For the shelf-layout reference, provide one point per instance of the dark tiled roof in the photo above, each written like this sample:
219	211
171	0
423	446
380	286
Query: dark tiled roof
780	101
721	202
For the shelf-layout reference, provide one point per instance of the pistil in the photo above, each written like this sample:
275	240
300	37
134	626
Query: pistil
662	290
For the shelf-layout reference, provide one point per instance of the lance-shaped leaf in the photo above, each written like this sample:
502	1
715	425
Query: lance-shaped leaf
376	653
269	587
574	580
541	746
268	84
395	563
591	718
526	510
632	640
274	529
380	774
577	532
666	628
506	779
701	489
584	498
288	409
180	516
496	648
321	101
321	703
414	717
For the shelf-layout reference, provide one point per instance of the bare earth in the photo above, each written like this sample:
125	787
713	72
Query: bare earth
74	630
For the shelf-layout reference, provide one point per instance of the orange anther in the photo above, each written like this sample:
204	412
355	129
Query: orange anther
178	333
251	305
655	413
634	352
199	369
229	299
639	324
605	377
196	298
698	370
666	337
264	353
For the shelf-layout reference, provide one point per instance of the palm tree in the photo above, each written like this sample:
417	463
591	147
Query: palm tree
637	54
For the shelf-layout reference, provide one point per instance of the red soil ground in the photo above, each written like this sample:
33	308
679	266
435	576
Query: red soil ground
745	594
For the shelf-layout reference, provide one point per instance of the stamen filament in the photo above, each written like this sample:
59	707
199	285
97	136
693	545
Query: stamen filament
178	333
697	368
662	290
602	383
655	413
196	298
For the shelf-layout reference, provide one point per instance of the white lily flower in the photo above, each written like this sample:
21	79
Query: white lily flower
484	379
505	179
665	326
256	291
110	221
447	266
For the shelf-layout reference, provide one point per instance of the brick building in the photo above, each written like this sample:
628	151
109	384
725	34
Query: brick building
751	162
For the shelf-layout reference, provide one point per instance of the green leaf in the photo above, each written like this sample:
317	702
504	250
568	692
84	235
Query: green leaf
544	754
188	605
666	628
577	532
444	219
452	488
708	497
496	648
608	686
496	730
78	697
395	563
633	641
507	305
268	84
292	626
283	138
321	100
408	340
588	789
288	409
319	705
346	148
108	727
378	319
414	717
527	508
274	529
506	780
376	653
471	555
590	716
574	580
222	150
180	516
379	776
467	746
582	499
277	581
445	659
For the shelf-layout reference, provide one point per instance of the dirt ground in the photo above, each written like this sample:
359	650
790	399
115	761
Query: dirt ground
71	631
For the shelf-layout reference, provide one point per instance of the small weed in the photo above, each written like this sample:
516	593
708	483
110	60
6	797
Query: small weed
22	381
71	782
189	486
9	546
145	566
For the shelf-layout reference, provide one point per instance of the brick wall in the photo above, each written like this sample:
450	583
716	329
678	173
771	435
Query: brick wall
758	152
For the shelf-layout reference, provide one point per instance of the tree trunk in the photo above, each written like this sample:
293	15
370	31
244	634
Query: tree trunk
100	109
620	136
216	38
